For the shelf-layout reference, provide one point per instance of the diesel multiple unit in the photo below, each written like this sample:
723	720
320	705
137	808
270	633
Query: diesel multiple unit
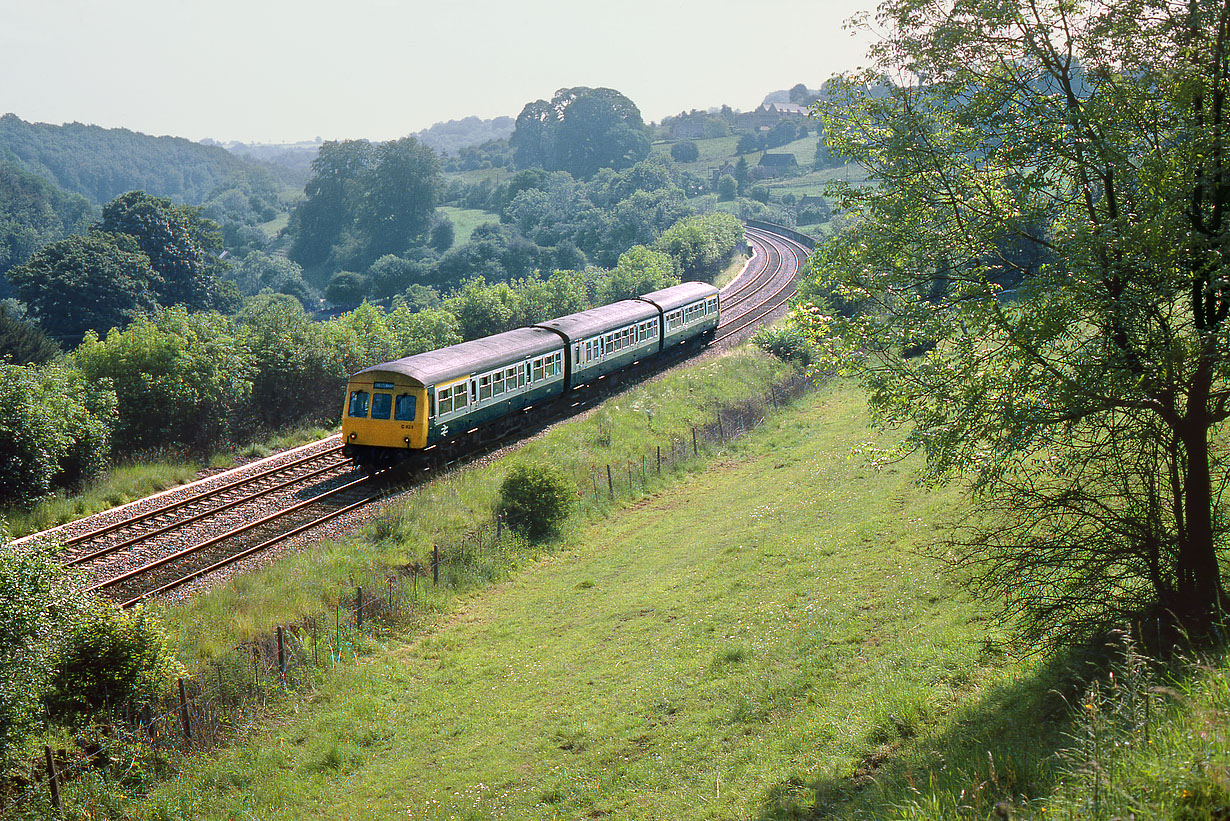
426	401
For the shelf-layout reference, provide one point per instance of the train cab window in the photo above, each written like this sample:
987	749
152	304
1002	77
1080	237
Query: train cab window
382	405
358	404
404	407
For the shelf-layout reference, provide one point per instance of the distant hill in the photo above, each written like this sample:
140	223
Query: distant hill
451	137
102	163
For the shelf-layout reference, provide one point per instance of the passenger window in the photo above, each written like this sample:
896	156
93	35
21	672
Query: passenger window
358	404
537	370
382	404
484	388
498	383
404	407
460	394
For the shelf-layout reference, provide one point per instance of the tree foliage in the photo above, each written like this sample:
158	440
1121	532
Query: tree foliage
180	378
702	244
94	281
580	131
535	500
1087	413
55	430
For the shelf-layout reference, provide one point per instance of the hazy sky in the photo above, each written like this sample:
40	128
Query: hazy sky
286	70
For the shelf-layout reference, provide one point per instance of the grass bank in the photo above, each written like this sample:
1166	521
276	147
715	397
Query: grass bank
761	639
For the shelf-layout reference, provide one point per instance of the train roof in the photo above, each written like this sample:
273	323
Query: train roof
585	324
456	361
682	294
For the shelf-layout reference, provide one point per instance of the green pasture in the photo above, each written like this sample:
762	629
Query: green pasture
761	637
465	220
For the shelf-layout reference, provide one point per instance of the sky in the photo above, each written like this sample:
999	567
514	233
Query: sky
287	70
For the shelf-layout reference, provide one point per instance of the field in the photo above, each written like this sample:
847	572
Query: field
763	638
465	220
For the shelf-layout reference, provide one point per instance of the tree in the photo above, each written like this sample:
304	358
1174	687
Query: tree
399	196
727	188
639	271
24	343
685	151
331	199
181	245
297	377
95	281
1089	413
580	131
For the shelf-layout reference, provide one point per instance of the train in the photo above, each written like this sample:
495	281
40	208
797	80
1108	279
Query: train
429	405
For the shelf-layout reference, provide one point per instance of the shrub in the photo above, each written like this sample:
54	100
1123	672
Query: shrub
107	658
535	500
34	599
685	151
787	342
54	430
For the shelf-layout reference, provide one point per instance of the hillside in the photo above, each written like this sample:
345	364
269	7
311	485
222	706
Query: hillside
757	639
102	163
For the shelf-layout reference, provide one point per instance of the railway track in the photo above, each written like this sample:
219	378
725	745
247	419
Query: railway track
162	543
749	300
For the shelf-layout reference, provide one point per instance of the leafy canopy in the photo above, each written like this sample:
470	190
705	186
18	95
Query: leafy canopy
1047	228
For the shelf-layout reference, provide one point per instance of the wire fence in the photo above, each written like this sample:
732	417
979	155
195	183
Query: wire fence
233	691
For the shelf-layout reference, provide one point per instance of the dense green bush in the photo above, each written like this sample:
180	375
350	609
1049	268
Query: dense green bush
180	378
787	343
34	599
535	500
107	658
701	244
55	429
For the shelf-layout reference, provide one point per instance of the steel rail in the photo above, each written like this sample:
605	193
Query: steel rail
209	494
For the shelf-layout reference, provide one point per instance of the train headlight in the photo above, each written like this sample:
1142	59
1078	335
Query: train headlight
353	435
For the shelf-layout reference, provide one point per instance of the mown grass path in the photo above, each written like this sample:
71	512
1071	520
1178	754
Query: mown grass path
753	642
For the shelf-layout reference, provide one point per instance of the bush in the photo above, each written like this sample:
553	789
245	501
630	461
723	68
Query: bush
108	658
535	500
180	378
33	599
54	430
685	151
787	342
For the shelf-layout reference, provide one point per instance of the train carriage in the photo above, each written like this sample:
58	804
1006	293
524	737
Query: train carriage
689	310
607	338
429	399
422	400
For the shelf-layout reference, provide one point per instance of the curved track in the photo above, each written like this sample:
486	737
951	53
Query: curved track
160	543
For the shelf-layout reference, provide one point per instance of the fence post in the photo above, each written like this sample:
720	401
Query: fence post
53	780
499	526
281	658
183	711
358	608
610	483
435	564
721	428
695	450
659	460
631	489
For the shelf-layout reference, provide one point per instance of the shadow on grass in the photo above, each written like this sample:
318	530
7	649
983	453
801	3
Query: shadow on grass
1000	748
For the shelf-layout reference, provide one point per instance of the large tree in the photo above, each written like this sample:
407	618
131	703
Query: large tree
580	131
1088	408
399	196
182	246
95	281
